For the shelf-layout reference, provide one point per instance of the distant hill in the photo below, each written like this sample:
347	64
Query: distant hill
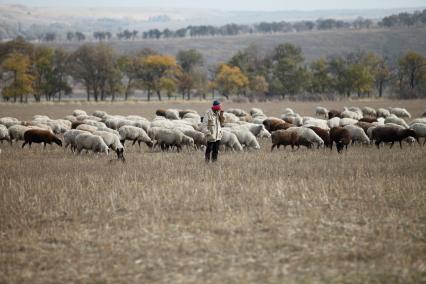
388	42
19	19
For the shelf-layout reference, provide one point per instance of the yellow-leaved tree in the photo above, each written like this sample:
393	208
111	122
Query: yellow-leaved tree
159	72
230	80
19	78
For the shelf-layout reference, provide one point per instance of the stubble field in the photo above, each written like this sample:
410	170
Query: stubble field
306	216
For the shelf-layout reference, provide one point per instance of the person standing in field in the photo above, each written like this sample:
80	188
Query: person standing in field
213	119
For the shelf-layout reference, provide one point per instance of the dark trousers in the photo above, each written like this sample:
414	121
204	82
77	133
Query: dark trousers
213	149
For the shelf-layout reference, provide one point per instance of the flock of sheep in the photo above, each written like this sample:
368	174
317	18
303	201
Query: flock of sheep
171	129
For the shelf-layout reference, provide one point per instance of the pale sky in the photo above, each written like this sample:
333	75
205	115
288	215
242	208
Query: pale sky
232	4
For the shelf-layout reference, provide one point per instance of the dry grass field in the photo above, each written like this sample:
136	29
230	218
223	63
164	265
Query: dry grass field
306	216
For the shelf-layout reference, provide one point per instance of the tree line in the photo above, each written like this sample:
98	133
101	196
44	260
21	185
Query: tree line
403	19
45	73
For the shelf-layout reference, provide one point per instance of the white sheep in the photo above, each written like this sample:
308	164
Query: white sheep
99	113
69	138
78	112
321	123
4	134
135	134
396	120
16	132
87	128
382	112
109	130
400	112
238	112
369	111
9	121
418	120
230	117
113	142
198	136
88	141
70	118
172	114
245	137
347	121
357	134
230	141
333	122
307	134
420	130
321	111
94	123
254	112
355	109
351	114
170	137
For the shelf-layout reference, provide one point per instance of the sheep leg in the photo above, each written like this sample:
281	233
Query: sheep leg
134	142
24	144
377	144
424	142
392	144
273	146
139	143
400	144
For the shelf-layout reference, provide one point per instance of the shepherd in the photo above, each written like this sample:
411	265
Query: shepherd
214	120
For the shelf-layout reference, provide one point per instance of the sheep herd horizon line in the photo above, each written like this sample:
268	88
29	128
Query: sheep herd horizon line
173	128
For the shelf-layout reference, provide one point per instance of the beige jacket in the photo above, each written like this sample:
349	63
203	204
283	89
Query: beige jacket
213	129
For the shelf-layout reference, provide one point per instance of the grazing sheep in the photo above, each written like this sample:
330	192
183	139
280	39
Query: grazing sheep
418	120
334	113
71	118
245	137
357	134
400	112
238	112
113	142
283	137
347	121
79	112
4	134
392	134
9	121
382	112
100	113
135	134
351	114
230	141
294	119
364	125
109	130
172	114
230	117
96	124
182	113
160	112
396	120
169	138
306	136
321	123
420	130
369	111
323	133
40	136
272	124
341	136
16	132
199	137
88	141
256	112
333	122
86	127
321	111
69	138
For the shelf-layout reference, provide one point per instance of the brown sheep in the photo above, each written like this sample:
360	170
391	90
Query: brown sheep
301	141
75	124
368	119
274	124
334	113
391	134
40	136
161	112
324	134
282	137
364	125
341	137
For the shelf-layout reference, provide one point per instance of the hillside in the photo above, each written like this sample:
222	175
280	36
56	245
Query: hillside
387	42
